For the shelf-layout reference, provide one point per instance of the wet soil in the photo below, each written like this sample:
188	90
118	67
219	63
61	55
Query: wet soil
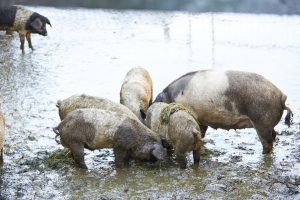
90	50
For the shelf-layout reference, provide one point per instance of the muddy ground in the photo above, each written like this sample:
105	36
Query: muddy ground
90	50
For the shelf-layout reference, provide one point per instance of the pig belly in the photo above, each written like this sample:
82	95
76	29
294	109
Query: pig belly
100	142
224	120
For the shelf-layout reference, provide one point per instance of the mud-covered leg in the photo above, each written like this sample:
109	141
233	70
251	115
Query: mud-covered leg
203	130
78	155
121	157
181	159
266	138
274	134
22	40
1	156
28	37
196	156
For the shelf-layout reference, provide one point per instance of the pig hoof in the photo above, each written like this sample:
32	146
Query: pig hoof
182	165
82	166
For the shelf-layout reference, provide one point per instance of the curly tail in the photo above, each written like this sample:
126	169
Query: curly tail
289	116
55	130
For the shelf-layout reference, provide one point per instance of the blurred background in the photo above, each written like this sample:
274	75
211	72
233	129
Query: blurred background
247	6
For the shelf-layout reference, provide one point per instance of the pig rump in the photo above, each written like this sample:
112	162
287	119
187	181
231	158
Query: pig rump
137	91
178	128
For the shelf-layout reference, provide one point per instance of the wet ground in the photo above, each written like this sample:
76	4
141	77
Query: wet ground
90	51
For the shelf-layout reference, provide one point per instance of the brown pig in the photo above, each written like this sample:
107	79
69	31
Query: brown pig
137	91
177	125
87	101
2	131
96	129
230	100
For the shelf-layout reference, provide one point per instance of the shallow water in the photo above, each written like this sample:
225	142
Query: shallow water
90	50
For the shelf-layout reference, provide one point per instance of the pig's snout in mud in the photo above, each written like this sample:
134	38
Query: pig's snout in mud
159	152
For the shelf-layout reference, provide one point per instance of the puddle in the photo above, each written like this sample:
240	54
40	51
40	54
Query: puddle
90	50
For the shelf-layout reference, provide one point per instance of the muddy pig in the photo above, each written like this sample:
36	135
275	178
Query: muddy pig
231	100
177	125
137	91
2	131
87	101
96	129
23	21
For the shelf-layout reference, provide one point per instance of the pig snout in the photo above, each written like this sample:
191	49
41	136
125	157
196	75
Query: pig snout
158	152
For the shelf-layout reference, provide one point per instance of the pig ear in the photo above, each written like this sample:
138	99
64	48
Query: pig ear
36	24
160	97
165	143
158	152
48	21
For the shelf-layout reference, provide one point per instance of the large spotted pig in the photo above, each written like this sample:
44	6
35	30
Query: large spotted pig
87	101
2	130
23	21
96	129
137	91
177	125
231	100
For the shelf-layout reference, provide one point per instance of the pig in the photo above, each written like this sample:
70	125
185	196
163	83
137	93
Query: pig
2	132
23	21
137	91
231	100
177	125
87	101
96	129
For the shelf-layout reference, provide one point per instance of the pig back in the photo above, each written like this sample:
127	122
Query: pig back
87	101
153	117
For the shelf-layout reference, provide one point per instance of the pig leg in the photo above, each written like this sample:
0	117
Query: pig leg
22	40
28	37
181	159
196	156
121	157
274	134
265	135
78	154
180	150
1	156
203	130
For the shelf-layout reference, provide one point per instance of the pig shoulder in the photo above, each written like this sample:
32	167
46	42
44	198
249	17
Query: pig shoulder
22	16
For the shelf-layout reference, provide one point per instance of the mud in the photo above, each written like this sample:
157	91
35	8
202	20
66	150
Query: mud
90	51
